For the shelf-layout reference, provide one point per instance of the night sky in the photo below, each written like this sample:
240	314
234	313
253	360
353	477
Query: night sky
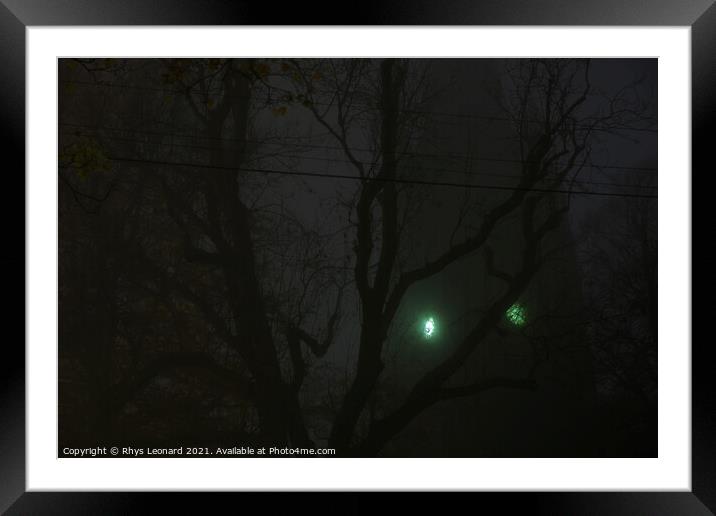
227	276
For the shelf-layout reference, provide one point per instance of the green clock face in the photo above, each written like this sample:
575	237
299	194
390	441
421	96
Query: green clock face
429	327
516	315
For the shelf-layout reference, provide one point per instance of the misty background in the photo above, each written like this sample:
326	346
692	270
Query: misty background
250	249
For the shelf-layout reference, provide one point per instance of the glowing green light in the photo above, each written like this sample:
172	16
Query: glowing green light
516	315
429	327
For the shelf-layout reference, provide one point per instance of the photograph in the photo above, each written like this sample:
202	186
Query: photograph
373	257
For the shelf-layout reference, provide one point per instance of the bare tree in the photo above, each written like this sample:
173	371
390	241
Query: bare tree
551	94
259	284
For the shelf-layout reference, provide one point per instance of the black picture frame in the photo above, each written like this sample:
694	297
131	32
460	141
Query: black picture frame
17	15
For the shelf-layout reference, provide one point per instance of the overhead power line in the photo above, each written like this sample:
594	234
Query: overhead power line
393	180
353	149
411	167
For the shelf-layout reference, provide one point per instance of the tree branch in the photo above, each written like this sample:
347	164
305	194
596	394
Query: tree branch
428	389
485	385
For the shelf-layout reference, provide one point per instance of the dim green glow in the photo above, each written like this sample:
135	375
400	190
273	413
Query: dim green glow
429	328
516	315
